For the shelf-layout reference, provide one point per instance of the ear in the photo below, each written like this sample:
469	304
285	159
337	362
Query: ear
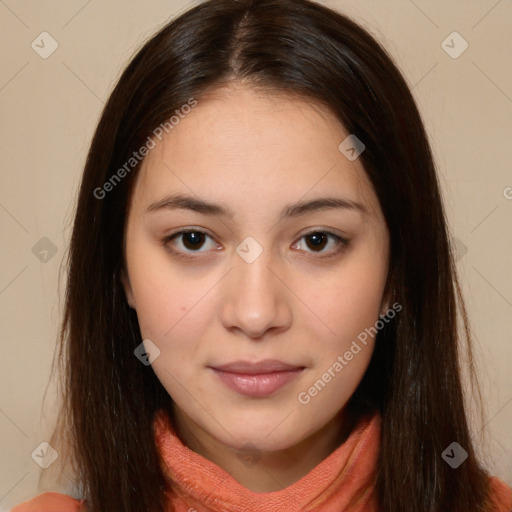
127	288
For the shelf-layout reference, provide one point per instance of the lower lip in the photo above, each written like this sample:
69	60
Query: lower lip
257	385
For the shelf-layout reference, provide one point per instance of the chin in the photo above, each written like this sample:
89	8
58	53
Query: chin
262	444
264	435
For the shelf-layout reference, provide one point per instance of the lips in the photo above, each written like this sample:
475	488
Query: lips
259	379
267	366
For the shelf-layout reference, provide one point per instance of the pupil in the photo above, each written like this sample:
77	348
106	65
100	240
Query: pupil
193	239
318	239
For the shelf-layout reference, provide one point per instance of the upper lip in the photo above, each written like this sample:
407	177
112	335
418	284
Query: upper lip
248	367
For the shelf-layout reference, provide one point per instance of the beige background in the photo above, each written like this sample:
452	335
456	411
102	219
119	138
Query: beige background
49	109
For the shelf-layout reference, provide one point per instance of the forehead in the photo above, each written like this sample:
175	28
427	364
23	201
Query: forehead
238	143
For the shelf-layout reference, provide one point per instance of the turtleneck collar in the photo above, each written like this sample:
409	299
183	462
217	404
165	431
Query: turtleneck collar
343	482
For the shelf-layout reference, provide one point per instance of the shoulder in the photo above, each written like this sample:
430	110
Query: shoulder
51	502
501	495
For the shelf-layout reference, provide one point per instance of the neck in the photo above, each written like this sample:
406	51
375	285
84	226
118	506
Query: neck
264	472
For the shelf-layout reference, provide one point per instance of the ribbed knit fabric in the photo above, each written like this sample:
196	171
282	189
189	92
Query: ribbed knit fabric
343	482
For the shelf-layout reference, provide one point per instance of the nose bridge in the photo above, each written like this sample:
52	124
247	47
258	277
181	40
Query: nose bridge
254	279
254	301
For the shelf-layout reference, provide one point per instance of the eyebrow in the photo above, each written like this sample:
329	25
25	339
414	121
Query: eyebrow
185	202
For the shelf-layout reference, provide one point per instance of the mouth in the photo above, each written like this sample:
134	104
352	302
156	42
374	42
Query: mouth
257	380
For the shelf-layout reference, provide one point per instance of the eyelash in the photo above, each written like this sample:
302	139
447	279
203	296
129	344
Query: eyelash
342	243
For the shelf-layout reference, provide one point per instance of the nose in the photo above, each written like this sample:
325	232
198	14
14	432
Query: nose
255	300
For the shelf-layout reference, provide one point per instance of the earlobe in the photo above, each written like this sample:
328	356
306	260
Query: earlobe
127	289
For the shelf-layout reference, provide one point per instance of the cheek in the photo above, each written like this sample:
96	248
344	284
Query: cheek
331	388
348	300
173	316
165	297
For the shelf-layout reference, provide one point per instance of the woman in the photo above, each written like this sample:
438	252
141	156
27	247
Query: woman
261	310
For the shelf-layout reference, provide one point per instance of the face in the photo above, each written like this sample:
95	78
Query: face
257	305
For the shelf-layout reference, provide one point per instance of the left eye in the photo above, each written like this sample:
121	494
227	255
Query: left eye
192	240
317	240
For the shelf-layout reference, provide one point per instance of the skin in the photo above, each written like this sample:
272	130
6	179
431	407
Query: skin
256	153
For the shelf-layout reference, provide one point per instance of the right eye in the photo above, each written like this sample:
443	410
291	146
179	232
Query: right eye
187	241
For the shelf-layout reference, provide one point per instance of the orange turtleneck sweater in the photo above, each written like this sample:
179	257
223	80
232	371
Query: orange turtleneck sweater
343	482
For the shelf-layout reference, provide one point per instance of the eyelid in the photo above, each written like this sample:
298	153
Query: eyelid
182	254
342	241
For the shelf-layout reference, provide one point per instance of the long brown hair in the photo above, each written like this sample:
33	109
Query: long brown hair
414	378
